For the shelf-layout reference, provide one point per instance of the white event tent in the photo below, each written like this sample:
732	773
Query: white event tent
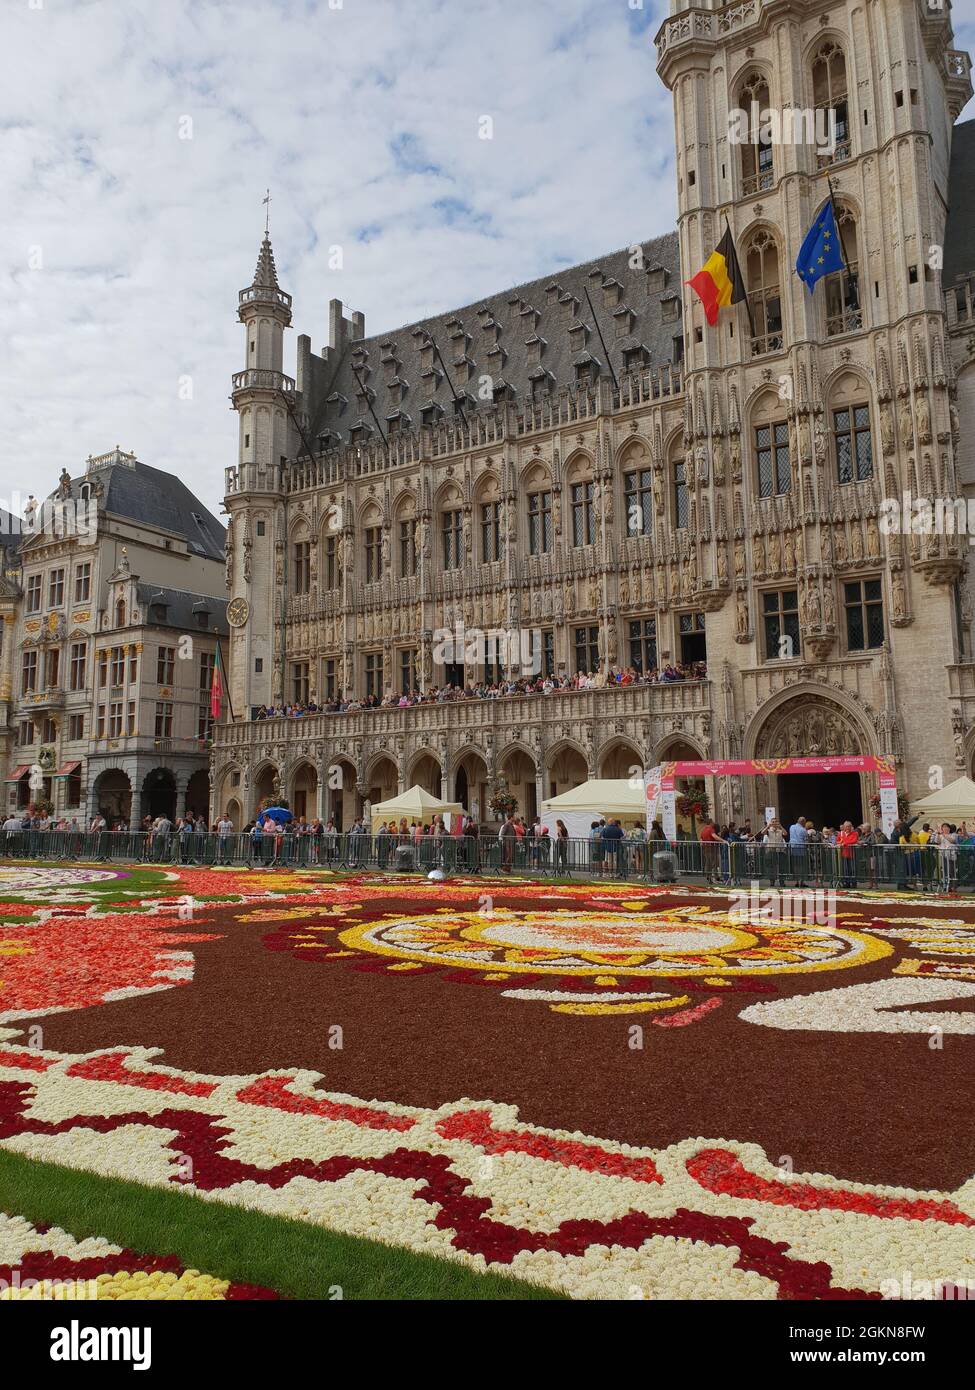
415	806
616	798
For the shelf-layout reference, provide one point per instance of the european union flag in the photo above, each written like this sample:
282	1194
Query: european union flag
822	250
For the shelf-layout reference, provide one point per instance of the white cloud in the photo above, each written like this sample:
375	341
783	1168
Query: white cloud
363	120
359	117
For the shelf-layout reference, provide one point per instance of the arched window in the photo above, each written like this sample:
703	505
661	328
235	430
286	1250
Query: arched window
406	538
773	464
849	416
301	557
680	494
489	519
539	506
120	613
843	310
372	544
830	95
764	293
757	160
638	498
452	530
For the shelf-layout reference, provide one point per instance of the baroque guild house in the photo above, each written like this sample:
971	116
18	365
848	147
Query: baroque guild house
583	457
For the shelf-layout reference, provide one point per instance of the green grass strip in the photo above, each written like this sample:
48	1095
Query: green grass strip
297	1259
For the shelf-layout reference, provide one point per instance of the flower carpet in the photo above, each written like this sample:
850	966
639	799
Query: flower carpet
602	1090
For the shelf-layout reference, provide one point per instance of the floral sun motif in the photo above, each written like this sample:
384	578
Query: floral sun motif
677	941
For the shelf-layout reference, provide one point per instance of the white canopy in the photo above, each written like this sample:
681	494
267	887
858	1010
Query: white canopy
417	805
616	798
955	802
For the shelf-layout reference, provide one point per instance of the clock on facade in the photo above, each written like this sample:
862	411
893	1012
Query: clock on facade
238	610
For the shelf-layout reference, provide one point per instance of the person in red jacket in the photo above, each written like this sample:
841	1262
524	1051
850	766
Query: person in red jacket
846	840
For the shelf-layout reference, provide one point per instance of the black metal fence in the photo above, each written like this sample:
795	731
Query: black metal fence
893	866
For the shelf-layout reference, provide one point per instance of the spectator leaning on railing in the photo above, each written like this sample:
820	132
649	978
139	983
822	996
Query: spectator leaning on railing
496	690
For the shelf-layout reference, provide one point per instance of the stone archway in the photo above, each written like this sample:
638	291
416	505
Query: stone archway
382	780
197	799
518	770
266	785
620	759
811	724
304	791
113	795
471	784
427	773
159	793
566	768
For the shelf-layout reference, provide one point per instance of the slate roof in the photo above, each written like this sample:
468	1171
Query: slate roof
182	608
514	336
960	232
150	495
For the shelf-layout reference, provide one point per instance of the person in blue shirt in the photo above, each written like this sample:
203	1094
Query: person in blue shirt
798	838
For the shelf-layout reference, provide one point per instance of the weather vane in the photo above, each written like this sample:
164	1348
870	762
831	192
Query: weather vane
267	215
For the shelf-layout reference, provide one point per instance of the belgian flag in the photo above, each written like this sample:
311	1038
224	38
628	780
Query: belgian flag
720	282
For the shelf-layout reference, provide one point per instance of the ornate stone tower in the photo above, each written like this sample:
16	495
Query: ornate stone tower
824	404
264	398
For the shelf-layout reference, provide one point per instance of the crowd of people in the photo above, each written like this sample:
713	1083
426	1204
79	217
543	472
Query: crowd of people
839	853
492	690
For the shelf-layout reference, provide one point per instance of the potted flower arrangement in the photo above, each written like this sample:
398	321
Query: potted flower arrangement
502	800
693	804
270	801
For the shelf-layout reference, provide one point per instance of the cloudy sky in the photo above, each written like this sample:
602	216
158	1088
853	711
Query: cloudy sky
138	137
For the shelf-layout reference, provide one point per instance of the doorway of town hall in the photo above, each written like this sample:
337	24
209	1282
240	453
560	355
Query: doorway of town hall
824	798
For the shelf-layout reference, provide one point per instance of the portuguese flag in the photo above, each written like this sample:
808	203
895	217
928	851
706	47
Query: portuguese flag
720	282
217	686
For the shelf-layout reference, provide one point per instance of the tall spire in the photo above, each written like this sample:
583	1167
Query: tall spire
266	275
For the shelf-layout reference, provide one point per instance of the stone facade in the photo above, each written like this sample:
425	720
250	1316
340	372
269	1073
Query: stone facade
735	490
110	632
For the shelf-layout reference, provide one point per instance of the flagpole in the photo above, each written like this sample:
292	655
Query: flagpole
747	301
225	681
839	231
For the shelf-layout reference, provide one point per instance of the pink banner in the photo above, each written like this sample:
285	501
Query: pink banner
755	767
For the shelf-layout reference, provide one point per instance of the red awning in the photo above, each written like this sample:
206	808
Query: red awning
66	769
19	772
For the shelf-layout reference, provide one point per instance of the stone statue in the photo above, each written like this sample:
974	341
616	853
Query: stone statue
742	618
775	552
739	560
790	553
829	611
857	542
899	595
736	458
815	608
723	565
887	429
922	410
873	540
906	422
719	462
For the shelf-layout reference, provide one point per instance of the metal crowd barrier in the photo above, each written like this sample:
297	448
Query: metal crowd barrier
925	867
